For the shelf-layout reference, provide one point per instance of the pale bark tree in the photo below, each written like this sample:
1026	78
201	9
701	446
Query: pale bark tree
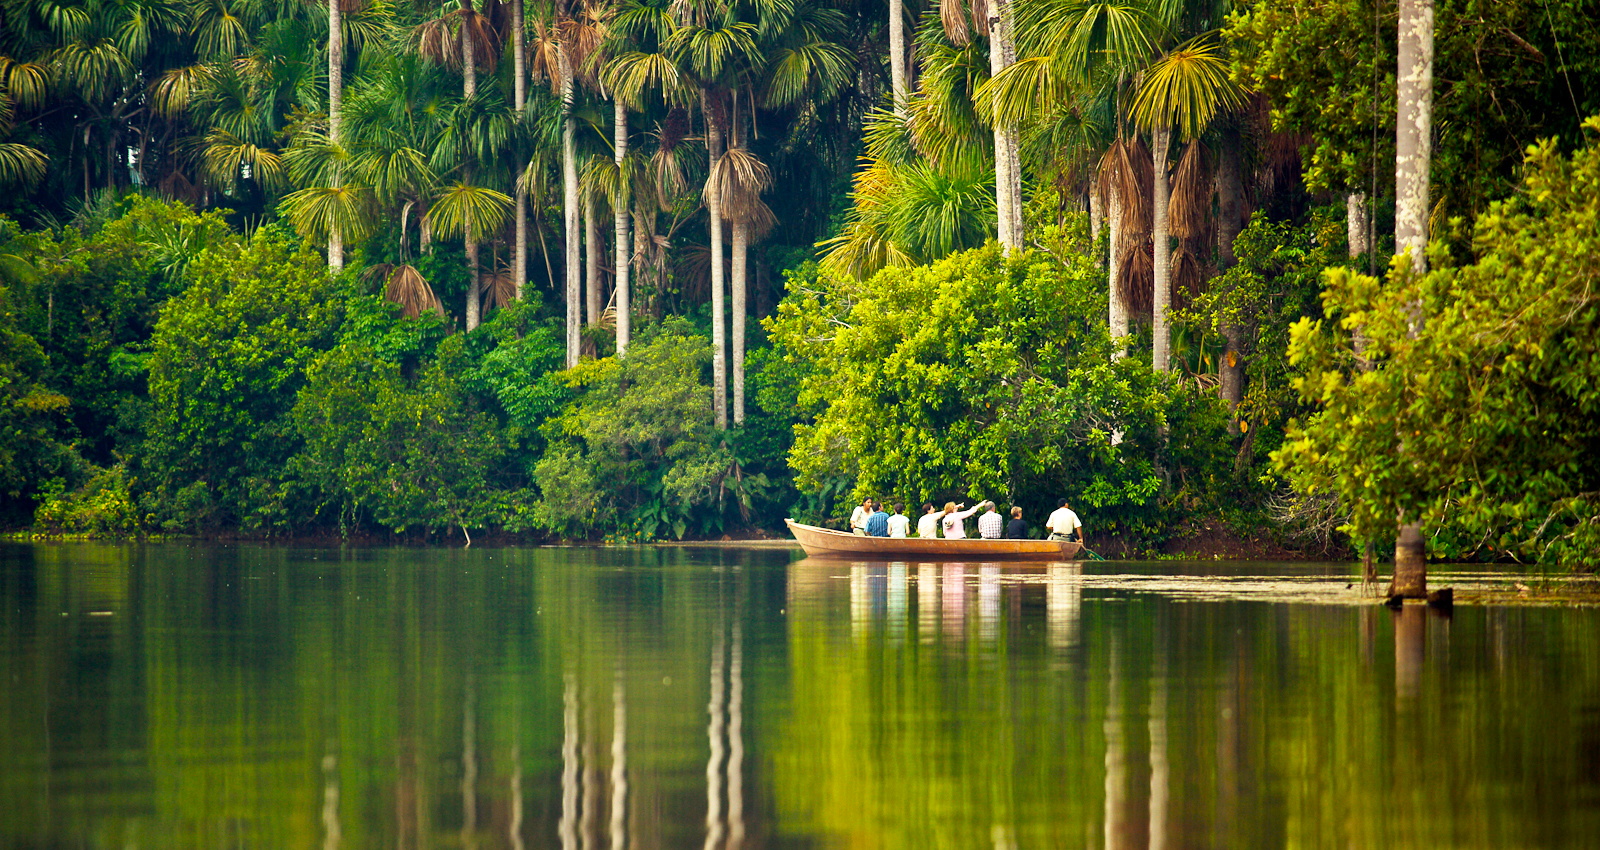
898	58
1358	223
594	247
719	341
1413	155
469	88
1007	165
519	72
620	206
335	112
1161	342
1231	219
1118	306
569	199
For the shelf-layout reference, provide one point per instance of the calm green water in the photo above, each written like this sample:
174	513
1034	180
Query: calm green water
253	697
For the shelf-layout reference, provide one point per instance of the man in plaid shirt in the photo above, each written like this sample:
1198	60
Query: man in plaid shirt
990	525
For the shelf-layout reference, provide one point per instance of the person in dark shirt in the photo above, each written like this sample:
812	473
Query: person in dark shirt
878	522
1016	529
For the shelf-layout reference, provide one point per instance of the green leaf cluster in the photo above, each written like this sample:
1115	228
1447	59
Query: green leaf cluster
985	377
1471	403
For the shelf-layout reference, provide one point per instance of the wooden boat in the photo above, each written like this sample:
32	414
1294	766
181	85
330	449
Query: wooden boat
827	542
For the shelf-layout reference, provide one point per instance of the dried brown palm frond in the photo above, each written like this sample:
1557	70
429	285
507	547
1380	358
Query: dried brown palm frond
739	177
960	22
1136	279
499	289
1188	275
1126	166
583	31
1189	212
544	52
406	286
176	185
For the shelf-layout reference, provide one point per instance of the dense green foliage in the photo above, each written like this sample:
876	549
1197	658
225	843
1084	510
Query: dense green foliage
234	302
1483	423
979	377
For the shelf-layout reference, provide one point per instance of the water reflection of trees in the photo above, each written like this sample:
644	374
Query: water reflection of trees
172	697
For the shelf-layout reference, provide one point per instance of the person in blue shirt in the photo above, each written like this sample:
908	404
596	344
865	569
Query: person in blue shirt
878	522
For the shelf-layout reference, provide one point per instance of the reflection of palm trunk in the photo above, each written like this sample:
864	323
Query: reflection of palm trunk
927	601
1116	758
469	767
955	600
714	728
860	601
736	740
331	831
1410	645
568	829
1063	604
988	602
619	765
1159	771
515	829
897	602
589	830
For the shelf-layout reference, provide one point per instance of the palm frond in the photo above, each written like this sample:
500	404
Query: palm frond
318	211
469	211
1187	88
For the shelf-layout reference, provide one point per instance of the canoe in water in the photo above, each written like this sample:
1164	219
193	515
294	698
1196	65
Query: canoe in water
826	541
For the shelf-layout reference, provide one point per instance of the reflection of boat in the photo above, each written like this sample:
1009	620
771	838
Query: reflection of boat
826	541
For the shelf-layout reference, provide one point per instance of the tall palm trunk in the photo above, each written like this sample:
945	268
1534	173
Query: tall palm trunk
569	201
1161	343
1230	208
519	70
619	139
741	254
1413	155
897	56
469	88
1007	174
335	113
594	246
1357	224
1116	220
719	343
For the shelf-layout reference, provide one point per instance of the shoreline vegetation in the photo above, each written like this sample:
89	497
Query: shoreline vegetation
634	270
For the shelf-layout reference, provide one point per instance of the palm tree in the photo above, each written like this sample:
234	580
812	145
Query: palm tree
638	69
1184	90
519	100
1413	159
711	48
335	115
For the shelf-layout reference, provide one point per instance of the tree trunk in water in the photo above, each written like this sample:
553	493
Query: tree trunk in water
1230	206
741	266
569	201
1413	155
714	738
719	342
619	764
335	113
1161	342
595	247
567	827
1007	175
624	260
519	70
897	56
1119	308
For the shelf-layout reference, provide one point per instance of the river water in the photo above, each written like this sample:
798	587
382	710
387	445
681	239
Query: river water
173	696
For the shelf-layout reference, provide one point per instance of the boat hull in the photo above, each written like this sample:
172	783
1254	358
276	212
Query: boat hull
825	542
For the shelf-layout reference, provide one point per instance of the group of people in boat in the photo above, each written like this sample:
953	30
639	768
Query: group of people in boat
871	520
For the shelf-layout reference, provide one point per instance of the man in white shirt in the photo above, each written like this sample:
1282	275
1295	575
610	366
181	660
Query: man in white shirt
990	525
1063	524
928	524
899	524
